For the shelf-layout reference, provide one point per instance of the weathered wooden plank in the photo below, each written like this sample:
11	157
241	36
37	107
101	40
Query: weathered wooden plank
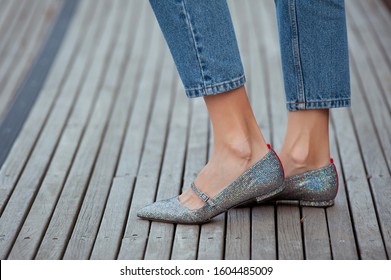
91	212
147	177
135	138
263	233
366	54
290	244
238	233
186	238
12	167
342	239
365	124
29	182
12	23
32	85
211	240
23	53
381	195
369	240
39	215
170	183
370	26
380	16
68	205
316	237
136	234
9	13
15	49
111	229
4	8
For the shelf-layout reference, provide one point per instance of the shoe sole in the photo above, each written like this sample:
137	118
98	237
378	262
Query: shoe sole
326	203
307	203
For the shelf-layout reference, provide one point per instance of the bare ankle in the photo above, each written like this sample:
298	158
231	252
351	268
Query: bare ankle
301	159
299	156
246	149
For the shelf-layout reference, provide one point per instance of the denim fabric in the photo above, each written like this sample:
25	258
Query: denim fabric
202	41
313	43
314	53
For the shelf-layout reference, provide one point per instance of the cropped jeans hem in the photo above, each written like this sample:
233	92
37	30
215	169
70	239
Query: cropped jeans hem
322	104
216	88
313	47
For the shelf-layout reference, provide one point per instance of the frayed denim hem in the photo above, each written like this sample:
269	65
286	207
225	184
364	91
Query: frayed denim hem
216	88
325	104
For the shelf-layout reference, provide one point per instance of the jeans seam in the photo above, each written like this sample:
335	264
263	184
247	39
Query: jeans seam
317	101
194	41
321	104
217	85
296	52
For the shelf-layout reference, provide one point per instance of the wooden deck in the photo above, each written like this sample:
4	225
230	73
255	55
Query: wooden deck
23	28
112	130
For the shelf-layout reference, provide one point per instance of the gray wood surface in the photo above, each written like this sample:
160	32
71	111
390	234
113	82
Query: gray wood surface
28	184
27	31
112	131
40	213
150	166
369	240
68	206
170	182
21	150
84	233
111	229
134	242
342	238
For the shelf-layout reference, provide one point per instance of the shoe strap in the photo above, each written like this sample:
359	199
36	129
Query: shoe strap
202	195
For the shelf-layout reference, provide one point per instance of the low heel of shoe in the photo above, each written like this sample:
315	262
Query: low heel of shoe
325	203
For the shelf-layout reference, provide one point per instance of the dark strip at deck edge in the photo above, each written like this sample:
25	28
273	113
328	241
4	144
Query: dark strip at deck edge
388	4
29	89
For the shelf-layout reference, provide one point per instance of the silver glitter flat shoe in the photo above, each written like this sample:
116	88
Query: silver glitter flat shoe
316	188
262	180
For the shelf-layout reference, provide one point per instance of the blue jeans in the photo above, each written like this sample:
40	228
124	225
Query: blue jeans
313	44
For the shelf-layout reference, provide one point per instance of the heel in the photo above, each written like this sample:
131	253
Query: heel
325	203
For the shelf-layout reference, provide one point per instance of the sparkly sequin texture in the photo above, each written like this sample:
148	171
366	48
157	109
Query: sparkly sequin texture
262	180
317	187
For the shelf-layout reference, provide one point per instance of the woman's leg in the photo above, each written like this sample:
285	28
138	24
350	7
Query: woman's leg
306	144
238	144
314	54
202	41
